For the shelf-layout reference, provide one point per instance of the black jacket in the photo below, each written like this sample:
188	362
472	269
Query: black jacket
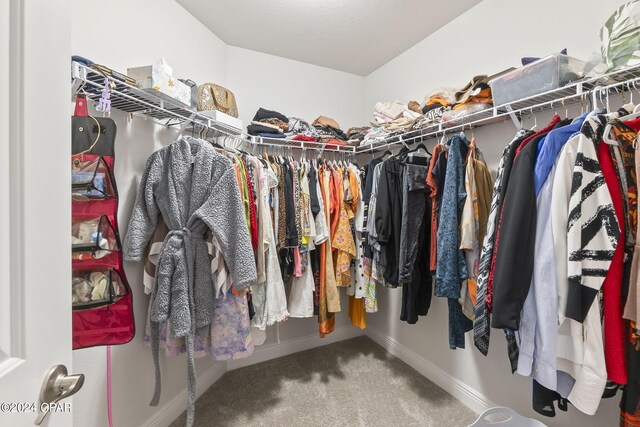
514	258
388	217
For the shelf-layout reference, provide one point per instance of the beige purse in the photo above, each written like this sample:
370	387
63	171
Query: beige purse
214	97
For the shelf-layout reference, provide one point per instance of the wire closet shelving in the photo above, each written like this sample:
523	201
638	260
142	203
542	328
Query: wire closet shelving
592	89
170	112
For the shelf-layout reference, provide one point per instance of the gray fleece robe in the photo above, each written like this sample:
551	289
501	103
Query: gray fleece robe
195	189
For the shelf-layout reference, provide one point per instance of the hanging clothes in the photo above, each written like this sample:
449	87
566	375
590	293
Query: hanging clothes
481	328
433	193
194	189
630	401
513	266
388	217
415	230
452	269
538	331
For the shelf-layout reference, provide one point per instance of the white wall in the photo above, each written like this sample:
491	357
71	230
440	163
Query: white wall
123	34
488	38
293	88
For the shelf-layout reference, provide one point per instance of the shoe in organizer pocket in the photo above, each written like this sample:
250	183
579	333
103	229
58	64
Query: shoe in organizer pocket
92	287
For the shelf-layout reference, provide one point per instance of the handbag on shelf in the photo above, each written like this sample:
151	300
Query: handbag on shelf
214	97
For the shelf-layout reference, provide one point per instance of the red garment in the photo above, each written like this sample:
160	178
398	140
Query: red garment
556	119
253	219
614	331
332	144
305	138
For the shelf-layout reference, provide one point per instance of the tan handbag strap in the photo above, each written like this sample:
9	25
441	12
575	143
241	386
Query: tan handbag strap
213	88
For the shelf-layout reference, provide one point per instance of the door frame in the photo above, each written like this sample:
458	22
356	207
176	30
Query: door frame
35	200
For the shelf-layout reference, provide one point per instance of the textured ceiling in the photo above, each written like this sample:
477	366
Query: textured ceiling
356	36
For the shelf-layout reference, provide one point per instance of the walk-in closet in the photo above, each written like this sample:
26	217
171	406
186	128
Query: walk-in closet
319	213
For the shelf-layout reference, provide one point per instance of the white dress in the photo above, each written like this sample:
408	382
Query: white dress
276	301
302	288
357	287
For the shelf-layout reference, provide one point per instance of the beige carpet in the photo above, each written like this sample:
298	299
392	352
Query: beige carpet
349	383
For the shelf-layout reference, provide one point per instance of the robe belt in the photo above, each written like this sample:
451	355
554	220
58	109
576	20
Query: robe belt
188	237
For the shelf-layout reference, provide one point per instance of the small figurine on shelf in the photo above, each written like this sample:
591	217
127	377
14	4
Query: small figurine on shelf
104	104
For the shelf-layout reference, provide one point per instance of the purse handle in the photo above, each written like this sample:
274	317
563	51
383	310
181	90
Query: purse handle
215	100
97	138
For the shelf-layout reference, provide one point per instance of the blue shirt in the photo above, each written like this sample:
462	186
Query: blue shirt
549	148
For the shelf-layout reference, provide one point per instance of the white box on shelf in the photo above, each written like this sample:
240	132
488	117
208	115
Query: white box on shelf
153	78
223	118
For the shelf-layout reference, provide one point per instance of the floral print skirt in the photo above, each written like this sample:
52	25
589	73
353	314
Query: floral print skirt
227	337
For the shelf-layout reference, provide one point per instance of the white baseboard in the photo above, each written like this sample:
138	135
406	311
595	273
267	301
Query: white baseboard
172	409
469	396
271	351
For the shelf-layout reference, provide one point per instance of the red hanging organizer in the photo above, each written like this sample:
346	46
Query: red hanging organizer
102	301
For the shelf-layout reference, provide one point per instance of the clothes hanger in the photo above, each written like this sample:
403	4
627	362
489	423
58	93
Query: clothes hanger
535	119
386	153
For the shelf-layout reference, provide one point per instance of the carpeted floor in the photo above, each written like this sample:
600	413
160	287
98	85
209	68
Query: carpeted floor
349	383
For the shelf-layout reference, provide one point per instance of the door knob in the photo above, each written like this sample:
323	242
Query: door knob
56	386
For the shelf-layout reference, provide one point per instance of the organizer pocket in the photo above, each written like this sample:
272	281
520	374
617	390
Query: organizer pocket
93	237
105	314
91	179
92	288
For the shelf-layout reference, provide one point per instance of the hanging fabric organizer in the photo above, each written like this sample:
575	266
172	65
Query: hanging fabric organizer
102	301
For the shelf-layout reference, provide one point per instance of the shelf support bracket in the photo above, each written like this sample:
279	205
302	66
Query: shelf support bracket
186	124
514	117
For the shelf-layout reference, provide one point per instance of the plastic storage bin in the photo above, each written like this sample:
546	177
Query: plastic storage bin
540	76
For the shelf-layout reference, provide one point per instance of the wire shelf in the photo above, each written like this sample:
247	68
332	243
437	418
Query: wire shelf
170	112
572	93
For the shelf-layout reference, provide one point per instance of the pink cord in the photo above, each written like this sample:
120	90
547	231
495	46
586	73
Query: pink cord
109	412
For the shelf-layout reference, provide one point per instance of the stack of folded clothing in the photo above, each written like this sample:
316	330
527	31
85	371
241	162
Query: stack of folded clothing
268	124
375	134
301	130
451	106
435	105
355	135
394	116
473	97
329	131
